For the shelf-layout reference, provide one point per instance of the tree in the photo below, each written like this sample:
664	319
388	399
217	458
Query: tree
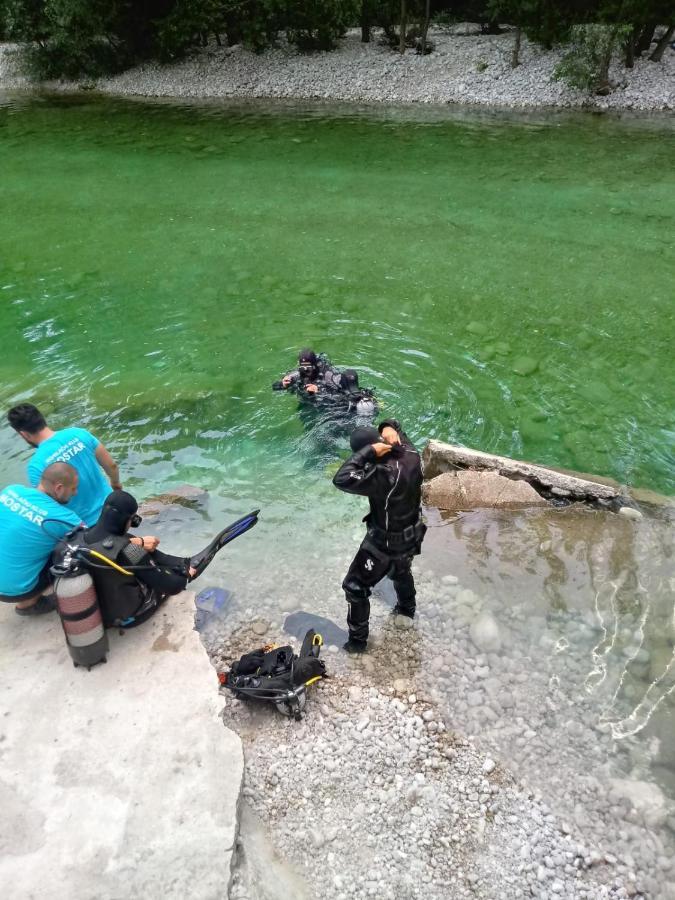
586	64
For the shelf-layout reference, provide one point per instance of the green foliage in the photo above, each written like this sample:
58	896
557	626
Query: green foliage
586	64
317	24
188	23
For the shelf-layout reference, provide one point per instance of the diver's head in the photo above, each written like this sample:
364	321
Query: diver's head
308	364
28	421
349	381
119	513
363	436
59	481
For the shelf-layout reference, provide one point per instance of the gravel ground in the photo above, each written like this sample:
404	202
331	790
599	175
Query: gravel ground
465	68
383	790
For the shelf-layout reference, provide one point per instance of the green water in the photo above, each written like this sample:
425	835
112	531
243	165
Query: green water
161	264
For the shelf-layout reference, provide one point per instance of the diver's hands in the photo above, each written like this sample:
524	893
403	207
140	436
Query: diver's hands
149	542
311	388
286	380
381	449
390	436
192	571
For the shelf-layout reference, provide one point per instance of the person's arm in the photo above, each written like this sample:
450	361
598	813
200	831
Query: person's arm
109	466
392	433
163	579
287	381
360	474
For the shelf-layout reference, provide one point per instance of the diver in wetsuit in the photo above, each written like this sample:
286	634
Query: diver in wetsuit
360	402
387	469
314	374
131	599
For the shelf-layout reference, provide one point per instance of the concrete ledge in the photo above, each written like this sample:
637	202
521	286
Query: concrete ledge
119	782
549	483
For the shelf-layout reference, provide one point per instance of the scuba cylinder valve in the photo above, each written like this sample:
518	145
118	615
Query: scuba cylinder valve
78	609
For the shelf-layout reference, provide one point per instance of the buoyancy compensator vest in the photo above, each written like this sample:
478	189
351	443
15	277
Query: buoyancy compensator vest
277	675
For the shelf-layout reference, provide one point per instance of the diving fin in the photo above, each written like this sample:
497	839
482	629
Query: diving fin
201	560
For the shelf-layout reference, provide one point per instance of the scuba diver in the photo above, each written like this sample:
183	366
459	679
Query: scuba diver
361	402
386	468
135	578
314	374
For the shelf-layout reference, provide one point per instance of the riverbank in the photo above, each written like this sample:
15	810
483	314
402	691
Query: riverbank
465	68
501	747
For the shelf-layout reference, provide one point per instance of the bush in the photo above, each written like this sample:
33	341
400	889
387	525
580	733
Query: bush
586	65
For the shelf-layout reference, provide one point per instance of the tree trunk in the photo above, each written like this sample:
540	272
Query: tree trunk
404	26
365	22
629	46
515	52
425	27
666	38
602	86
645	39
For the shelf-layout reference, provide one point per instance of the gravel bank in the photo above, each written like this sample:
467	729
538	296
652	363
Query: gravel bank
408	777
465	68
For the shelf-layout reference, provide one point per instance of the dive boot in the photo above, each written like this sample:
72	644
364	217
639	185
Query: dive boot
201	560
352	646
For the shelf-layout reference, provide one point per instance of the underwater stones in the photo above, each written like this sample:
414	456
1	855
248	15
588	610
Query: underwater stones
484	632
480	329
260	627
645	797
404	623
525	365
467	489
629	512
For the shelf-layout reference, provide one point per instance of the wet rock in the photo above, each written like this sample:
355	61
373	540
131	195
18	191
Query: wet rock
260	627
644	796
468	489
629	512
404	623
484	632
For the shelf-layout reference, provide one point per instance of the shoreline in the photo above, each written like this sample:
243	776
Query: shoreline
471	71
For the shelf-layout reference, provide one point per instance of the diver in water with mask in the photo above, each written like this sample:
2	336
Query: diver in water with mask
152	576
313	375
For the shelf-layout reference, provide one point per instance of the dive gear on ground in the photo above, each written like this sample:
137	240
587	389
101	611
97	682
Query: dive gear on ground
277	675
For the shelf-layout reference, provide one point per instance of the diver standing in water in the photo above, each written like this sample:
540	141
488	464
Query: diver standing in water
386	468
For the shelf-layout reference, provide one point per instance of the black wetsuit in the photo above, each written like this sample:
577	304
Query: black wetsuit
393	486
131	599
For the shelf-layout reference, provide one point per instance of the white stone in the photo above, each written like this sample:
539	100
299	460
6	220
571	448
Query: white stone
484	632
629	512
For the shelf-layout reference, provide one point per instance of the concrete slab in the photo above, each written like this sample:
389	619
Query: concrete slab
119	782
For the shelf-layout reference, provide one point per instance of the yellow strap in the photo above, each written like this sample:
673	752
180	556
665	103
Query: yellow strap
312	680
110	562
318	640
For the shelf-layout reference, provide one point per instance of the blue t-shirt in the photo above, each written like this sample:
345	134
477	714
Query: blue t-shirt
77	447
25	543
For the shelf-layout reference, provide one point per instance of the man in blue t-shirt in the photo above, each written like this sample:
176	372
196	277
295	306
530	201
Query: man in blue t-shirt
32	522
70	445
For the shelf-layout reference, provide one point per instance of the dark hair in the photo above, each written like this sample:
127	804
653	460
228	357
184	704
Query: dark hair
26	417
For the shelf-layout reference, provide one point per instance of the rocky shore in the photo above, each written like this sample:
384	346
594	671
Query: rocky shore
461	757
465	68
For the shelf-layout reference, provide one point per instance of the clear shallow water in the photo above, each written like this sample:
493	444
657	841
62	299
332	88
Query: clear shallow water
160	265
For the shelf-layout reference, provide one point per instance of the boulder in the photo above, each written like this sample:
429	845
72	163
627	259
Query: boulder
468	489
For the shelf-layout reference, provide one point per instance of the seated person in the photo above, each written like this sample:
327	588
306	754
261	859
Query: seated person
132	598
32	521
314	374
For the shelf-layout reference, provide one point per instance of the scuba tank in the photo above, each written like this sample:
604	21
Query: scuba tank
78	609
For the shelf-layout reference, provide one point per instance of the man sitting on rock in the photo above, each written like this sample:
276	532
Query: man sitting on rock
32	521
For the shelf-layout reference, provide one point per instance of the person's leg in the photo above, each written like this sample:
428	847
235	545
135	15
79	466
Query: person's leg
366	569
38	600
404	585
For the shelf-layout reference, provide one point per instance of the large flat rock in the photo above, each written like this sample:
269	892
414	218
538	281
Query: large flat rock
468	490
119	782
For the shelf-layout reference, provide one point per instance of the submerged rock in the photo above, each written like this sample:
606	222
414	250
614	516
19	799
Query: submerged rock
485	634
